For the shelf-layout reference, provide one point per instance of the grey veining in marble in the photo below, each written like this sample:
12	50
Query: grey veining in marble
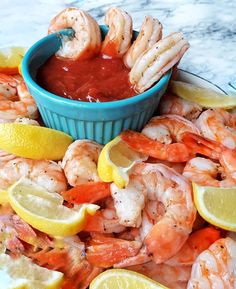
210	26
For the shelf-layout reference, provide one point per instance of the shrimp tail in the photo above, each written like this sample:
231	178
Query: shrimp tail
116	251
203	146
87	193
176	152
197	242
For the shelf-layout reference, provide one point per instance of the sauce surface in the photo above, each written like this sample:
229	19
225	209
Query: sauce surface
91	80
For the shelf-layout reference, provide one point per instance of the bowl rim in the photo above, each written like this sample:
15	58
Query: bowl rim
51	96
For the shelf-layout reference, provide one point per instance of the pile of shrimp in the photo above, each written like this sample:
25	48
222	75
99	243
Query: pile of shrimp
151	226
149	57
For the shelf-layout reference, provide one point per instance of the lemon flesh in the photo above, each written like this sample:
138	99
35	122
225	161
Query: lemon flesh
10	59
44	211
115	161
205	97
34	142
21	273
3	197
216	205
121	278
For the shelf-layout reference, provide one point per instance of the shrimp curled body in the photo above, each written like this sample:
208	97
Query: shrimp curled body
47	174
80	162
218	125
87	40
215	267
157	60
118	38
150	33
158	182
15	99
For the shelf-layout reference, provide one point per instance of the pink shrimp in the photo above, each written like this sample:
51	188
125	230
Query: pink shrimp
47	174
15	99
172	104
176	152
87	40
80	162
218	125
206	172
157	60
69	258
116	250
150	32
215	267
165	231
118	38
105	220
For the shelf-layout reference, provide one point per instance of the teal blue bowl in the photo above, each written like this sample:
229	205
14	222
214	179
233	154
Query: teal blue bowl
100	122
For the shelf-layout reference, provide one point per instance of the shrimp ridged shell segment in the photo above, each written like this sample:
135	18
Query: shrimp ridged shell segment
80	162
150	33
215	267
118	38
157	60
87	40
24	106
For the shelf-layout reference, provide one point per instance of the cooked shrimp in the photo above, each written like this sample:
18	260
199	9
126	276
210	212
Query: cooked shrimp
168	128
105	220
225	156
69	258
87	193
47	174
178	167
131	197
174	220
176	152
157	60
26	120
8	90
218	125
86	42
13	230
15	100
208	173
175	194
118	38
197	242
172	104
80	162
161	131
150	32
115	250
173	277
215	267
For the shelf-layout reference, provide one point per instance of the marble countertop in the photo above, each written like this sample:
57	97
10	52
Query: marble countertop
209	25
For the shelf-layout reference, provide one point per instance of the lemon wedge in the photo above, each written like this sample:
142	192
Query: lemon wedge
22	273
216	205
205	97
44	211
115	161
3	197
121	278
10	59
34	142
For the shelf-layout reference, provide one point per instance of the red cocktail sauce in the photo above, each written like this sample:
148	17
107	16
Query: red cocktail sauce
92	80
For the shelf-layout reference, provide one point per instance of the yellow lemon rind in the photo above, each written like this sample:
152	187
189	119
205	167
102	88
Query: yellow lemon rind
130	280
205	97
34	142
204	212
